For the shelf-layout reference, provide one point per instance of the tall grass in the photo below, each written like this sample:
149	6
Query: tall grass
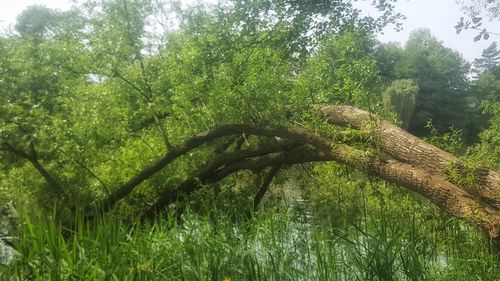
272	245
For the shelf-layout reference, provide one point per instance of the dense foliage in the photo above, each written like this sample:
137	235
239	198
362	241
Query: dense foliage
91	96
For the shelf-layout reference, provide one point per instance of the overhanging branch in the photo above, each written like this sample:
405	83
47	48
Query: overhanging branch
300	135
417	165
32	157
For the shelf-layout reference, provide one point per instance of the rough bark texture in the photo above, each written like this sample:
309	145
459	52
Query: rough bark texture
409	149
445	195
400	158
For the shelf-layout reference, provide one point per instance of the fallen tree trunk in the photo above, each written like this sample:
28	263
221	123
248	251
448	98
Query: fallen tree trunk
409	149
399	158
447	196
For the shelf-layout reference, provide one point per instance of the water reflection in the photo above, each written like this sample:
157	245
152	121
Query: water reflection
7	253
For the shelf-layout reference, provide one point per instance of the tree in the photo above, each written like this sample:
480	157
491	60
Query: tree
388	55
441	75
36	74
400	96
487	151
91	71
489	58
483	97
342	71
101	121
465	192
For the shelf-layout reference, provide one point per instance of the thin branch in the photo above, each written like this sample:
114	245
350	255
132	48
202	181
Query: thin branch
265	186
271	159
136	88
86	168
170	195
149	89
485	31
8	147
32	157
229	158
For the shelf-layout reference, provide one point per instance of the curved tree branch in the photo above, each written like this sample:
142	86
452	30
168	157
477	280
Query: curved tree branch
418	166
200	139
205	175
447	196
32	157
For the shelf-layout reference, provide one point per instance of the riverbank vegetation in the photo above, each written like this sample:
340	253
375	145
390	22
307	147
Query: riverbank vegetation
248	140
275	244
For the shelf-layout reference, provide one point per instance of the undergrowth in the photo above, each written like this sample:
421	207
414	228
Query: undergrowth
274	244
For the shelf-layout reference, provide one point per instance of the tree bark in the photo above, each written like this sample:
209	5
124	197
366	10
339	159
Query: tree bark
400	158
409	149
265	186
447	196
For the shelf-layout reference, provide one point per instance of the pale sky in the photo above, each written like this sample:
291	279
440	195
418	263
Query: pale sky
439	15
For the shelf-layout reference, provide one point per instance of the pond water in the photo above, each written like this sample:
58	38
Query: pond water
7	253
